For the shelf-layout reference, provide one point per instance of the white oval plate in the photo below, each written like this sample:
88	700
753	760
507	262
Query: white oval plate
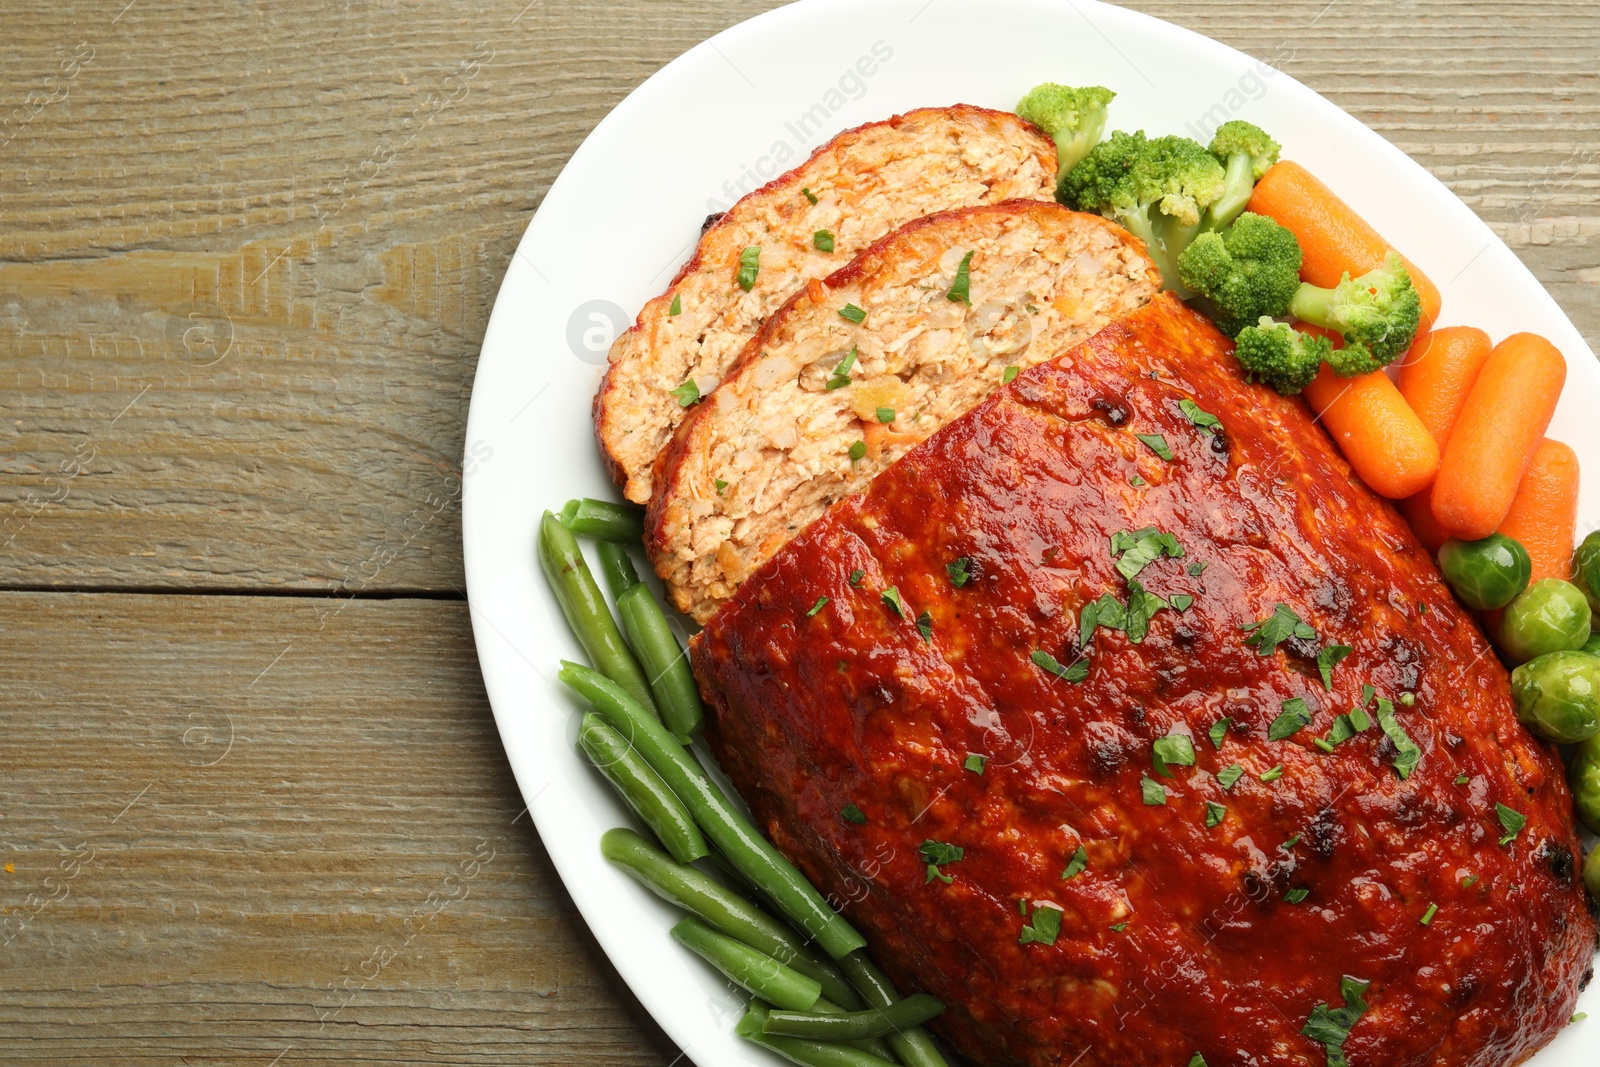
720	120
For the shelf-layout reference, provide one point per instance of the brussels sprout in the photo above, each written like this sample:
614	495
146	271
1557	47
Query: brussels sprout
1558	695
1591	873
1549	616
1586	564
1486	574
1584	777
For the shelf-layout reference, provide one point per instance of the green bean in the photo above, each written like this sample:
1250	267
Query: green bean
799	1050
642	788
666	665
722	909
617	566
729	830
747	968
586	611
604	520
874	1022
913	1046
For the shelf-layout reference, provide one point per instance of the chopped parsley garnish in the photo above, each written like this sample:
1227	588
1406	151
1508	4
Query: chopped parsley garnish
822	241
974	762
1407	754
935	853
1009	375
721	485
841	374
1214	813
1295	896
1199	416
1288	846
1427	916
1463	779
1077	672
1229	775
1044	927
1282	624
885	414
851	813
1117	928
1157	444
749	267
1469	881
1344	728
1076	865
1273	774
821	603
853	313
809	195
891	598
856	576
677	305
857	450
1141	548
1408	699
1294	718
687	394
961	288
1511	821
960	571
925	625
1142	607
1155	793
1137	482
1328	659
1172	750
1197	1060
1330	1027
1108	611
1218	731
1197	568
1182	602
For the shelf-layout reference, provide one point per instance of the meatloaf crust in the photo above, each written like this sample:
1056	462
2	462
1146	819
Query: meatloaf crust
1176	937
784	436
867	182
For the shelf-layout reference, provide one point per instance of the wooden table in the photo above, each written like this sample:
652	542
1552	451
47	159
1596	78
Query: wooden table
253	809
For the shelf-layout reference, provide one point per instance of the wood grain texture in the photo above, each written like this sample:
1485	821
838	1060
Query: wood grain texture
247	257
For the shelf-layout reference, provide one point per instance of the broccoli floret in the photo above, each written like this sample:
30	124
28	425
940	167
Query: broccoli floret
1246	151
1280	355
1249	270
1074	118
1354	360
1157	189
1378	312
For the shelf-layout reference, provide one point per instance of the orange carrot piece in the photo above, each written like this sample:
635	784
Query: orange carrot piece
1334	240
1544	513
1378	433
1438	373
1500	426
1418	510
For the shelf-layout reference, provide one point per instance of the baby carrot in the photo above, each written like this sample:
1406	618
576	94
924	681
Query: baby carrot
1418	510
1494	439
1383	439
1544	513
1438	372
1333	238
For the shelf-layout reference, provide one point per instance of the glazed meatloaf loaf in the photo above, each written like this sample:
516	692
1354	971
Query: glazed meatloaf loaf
803	225
855	370
1111	812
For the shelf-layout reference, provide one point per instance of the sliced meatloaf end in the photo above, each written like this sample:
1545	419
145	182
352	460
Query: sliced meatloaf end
819	403
861	185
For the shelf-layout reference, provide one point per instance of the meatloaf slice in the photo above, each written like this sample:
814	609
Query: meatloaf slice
857	187
819	403
1206	901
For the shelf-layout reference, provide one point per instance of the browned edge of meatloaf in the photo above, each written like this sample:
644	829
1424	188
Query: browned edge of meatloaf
597	409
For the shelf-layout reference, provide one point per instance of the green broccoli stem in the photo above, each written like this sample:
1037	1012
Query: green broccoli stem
1240	184
1167	242
1070	150
1314	304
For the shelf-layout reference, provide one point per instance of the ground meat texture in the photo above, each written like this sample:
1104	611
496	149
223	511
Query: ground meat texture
866	182
853	705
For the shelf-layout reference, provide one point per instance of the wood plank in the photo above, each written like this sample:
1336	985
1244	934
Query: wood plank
246	274
231	827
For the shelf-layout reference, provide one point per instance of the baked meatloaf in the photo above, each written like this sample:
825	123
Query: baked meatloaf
855	370
1097	794
856	188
